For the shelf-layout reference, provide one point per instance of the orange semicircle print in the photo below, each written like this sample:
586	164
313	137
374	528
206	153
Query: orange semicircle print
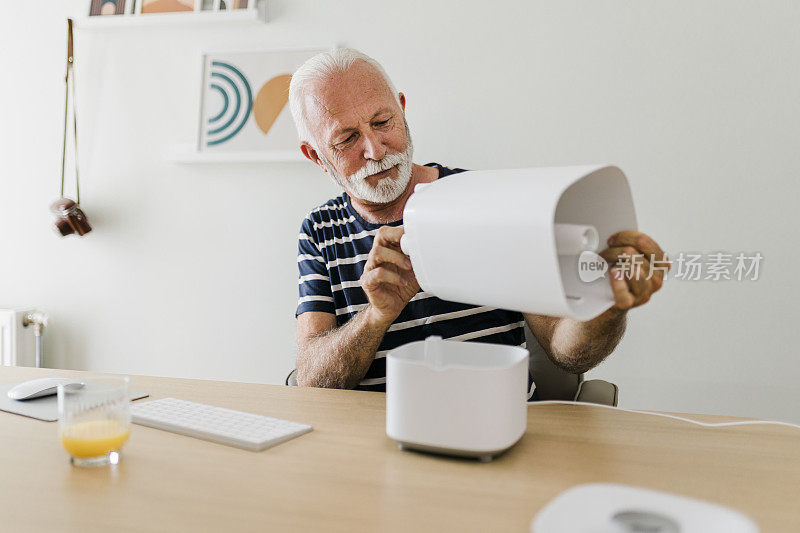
269	101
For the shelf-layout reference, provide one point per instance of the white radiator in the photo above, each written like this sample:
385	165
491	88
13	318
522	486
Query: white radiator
17	342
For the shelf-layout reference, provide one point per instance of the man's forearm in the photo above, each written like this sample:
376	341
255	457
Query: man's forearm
580	346
340	357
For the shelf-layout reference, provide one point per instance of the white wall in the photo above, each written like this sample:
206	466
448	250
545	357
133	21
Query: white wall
190	271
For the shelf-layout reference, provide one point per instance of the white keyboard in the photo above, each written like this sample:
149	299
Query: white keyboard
217	424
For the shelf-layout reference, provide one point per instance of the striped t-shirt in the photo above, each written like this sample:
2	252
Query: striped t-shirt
334	243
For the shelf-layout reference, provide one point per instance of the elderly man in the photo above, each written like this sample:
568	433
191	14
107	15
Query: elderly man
359	297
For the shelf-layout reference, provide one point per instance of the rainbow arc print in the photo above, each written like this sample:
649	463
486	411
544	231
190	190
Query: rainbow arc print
223	76
244	101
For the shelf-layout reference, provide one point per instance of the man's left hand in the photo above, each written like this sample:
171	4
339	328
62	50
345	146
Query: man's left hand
638	266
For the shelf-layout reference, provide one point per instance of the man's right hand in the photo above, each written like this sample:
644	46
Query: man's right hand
388	279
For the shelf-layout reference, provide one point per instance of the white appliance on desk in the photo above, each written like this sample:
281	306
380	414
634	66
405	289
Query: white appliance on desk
519	239
457	398
615	508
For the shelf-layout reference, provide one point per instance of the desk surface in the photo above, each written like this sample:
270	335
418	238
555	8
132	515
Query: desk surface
348	475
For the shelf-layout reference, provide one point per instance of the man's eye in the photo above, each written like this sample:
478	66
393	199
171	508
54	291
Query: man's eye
350	138
382	122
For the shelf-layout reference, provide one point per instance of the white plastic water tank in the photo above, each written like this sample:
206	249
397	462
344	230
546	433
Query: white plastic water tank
457	398
515	238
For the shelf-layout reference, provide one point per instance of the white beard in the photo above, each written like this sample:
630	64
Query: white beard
387	189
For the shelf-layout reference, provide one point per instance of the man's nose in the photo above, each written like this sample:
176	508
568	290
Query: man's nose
373	147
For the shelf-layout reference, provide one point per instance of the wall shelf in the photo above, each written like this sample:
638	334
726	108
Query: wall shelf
188	154
188	18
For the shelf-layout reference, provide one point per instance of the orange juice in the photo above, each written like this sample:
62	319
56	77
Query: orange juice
95	438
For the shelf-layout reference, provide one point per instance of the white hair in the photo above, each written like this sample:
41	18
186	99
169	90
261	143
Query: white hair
318	68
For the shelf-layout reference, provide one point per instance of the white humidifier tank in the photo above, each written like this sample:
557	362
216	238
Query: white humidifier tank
530	235
456	398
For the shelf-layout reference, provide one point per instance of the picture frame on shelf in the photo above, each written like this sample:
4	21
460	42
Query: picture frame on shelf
226	5
166	6
99	8
202	12
138	7
244	109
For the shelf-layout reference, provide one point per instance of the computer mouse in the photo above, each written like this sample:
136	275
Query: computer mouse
36	388
614	508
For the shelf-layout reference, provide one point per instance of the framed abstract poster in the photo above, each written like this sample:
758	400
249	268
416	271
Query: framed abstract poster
166	6
244	101
107	7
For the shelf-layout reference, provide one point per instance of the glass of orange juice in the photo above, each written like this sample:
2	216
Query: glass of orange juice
94	421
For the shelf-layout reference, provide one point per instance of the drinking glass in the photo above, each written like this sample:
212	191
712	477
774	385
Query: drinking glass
94	421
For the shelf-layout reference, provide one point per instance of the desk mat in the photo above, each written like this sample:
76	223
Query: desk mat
44	408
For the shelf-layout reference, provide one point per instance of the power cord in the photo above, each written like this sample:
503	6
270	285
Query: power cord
664	415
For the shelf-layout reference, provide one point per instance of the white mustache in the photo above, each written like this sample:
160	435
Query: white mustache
373	167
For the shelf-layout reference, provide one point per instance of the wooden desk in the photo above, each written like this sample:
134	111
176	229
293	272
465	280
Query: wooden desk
347	475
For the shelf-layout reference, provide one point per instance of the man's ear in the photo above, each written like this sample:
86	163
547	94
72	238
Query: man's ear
402	98
312	155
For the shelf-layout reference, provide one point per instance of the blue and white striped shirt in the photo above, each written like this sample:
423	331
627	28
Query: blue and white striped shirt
334	243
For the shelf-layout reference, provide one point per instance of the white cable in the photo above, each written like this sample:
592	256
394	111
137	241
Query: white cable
697	422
